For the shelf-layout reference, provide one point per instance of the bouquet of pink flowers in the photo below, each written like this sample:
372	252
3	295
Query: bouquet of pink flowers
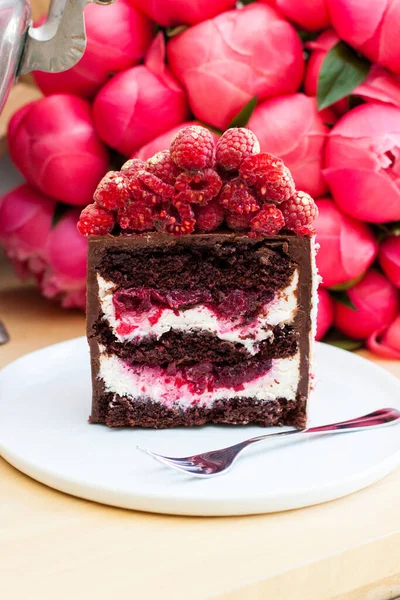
319	84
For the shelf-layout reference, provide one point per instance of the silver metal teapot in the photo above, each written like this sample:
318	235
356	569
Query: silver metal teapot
55	46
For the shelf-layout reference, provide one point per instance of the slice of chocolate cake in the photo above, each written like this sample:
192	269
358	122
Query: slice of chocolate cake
190	322
213	327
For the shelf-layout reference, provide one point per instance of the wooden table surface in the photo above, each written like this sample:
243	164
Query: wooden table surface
54	546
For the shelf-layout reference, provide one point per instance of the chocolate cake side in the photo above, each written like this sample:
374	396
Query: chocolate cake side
200	328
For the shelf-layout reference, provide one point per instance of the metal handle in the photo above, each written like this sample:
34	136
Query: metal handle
385	416
382	417
60	42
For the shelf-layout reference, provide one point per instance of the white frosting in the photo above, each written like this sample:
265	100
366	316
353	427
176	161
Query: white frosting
281	310
280	381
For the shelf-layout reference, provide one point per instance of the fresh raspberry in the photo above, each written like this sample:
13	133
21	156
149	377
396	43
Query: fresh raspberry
267	222
209	217
237	198
95	220
154	184
161	165
235	145
181	224
136	216
112	192
193	148
238	222
269	176
198	187
299	213
306	231
132	165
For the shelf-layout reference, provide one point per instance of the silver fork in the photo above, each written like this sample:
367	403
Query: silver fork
215	462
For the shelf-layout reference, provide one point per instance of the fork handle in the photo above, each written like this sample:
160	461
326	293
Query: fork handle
384	416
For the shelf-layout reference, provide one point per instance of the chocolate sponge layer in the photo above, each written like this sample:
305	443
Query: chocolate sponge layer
250	264
176	346
114	411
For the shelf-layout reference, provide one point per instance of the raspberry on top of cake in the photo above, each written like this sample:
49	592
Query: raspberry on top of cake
196	186
201	287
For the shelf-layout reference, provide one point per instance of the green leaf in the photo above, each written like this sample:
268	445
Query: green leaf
341	72
342	287
59	211
383	230
210	127
394	228
243	117
338	339
173	31
308	36
380	230
344	299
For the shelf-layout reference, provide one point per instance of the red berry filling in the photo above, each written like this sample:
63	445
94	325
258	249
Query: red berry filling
226	305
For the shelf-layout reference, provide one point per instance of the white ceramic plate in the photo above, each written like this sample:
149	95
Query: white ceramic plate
45	403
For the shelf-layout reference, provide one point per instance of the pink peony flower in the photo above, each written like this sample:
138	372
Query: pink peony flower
377	304
55	257
163	141
65	276
118	36
309	14
290	127
348	247
54	144
25	222
168	13
389	258
380	85
325	313
140	104
386	343
363	166
223	63
370	26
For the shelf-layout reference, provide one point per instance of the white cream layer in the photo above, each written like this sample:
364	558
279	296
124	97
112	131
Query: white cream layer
281	310
280	381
